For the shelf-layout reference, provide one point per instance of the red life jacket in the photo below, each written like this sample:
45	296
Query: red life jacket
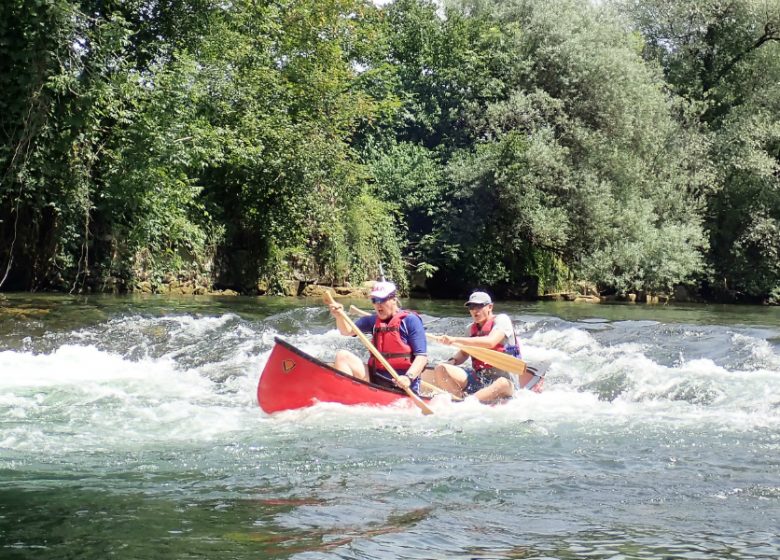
387	339
528	380
474	330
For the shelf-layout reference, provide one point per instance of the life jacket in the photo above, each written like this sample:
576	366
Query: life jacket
530	380
512	350
387	339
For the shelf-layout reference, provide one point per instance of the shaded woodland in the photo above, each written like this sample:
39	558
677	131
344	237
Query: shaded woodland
523	146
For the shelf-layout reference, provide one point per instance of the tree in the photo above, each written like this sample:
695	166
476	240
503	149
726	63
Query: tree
561	148
149	139
724	59
287	98
94	166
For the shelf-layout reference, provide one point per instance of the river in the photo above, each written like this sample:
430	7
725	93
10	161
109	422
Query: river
129	429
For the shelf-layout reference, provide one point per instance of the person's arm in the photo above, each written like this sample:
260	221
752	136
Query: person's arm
415	338
341	323
459	357
417	367
336	310
490	340
503	324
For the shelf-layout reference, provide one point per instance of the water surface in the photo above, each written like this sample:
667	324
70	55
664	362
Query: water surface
129	429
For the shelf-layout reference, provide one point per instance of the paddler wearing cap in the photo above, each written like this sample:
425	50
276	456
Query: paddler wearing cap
487	330
399	335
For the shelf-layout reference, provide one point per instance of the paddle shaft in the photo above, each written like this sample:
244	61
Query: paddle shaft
378	355
357	311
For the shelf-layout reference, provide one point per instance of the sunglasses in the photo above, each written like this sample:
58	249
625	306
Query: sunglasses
376	300
476	306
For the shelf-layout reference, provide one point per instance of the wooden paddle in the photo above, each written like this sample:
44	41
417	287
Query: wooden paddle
495	358
357	311
371	348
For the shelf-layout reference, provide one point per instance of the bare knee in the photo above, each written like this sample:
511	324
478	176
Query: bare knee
446	376
343	356
500	388
504	387
350	364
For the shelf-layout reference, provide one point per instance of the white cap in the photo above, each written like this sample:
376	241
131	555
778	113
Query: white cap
383	290
479	298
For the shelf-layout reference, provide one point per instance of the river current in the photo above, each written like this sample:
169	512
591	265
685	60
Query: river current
129	429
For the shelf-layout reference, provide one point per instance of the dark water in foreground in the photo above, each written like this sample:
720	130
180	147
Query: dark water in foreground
129	429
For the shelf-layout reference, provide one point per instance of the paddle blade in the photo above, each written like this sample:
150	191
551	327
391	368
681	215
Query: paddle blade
496	359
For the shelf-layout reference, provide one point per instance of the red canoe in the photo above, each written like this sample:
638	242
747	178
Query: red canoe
292	379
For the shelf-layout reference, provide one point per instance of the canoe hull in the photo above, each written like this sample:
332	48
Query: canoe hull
292	379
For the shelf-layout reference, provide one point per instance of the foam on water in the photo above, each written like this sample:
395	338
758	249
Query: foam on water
136	380
141	435
80	397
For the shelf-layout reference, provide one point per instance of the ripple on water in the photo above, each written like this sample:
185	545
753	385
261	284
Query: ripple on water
138	434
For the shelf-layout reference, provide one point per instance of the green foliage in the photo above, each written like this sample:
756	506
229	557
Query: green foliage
573	135
284	102
514	144
745	213
173	130
646	256
409	179
724	59
107	150
371	237
449	69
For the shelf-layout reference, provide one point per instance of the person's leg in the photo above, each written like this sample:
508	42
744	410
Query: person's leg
450	378
349	363
500	388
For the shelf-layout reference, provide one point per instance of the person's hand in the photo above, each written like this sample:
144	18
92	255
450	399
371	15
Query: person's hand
336	309
446	339
404	381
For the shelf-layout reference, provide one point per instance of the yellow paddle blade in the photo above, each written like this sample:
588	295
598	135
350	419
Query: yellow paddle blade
495	358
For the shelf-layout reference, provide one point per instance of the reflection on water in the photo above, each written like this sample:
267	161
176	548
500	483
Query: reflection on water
129	429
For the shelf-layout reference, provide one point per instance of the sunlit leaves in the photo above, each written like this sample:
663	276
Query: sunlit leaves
724	59
503	143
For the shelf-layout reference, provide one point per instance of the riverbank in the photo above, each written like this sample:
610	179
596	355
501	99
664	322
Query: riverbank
584	293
